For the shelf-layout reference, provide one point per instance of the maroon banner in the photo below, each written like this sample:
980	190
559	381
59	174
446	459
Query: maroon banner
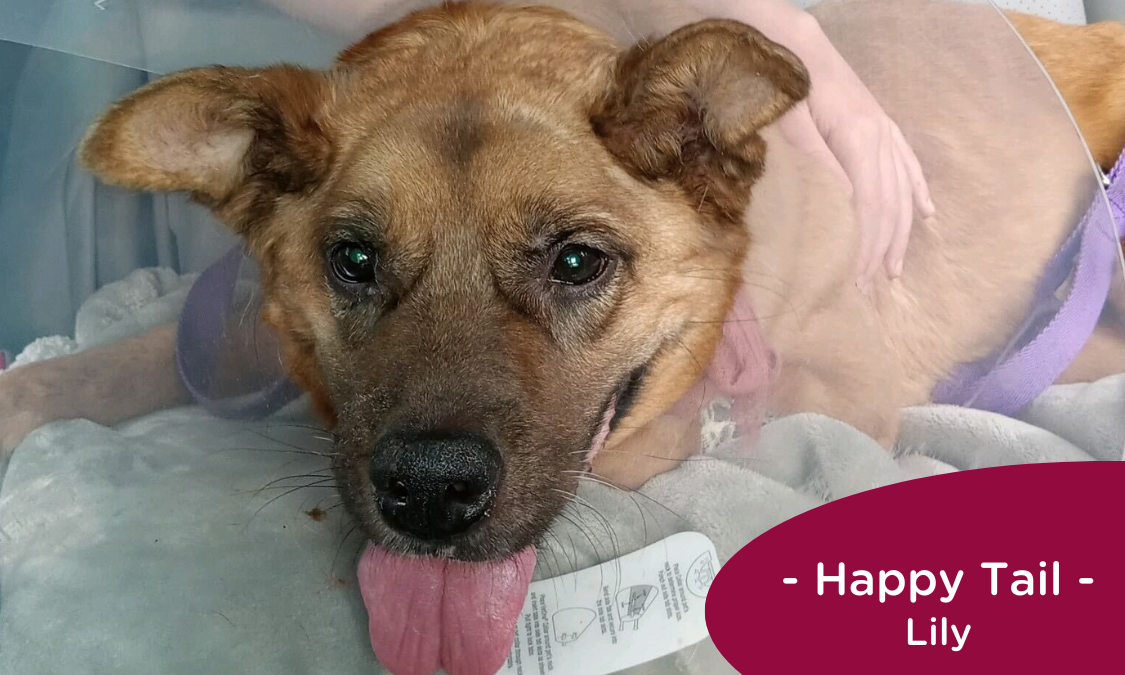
1002	569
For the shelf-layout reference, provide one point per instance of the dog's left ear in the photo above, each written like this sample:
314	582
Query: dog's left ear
689	107
234	138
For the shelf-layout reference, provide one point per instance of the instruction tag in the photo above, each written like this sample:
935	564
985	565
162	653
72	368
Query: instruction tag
618	615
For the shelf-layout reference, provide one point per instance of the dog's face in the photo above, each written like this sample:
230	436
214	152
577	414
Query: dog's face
489	239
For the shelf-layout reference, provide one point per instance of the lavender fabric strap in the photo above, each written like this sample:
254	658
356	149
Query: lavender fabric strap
200	338
1055	331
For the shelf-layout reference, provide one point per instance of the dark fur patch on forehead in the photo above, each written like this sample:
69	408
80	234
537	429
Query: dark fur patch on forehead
463	132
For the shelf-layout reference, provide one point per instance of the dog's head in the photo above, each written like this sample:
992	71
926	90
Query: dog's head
489	238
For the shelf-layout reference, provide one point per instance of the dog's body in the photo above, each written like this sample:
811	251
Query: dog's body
1006	180
1010	186
1006	204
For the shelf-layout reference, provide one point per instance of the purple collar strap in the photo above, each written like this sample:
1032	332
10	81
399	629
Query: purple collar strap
202	332
1056	330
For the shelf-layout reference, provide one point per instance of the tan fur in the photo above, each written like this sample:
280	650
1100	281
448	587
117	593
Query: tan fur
1085	62
463	136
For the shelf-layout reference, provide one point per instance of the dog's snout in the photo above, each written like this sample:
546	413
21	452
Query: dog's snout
434	486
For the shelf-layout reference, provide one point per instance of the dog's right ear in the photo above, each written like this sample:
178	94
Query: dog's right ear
688	108
235	138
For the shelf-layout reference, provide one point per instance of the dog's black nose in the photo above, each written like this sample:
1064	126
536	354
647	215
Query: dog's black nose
434	486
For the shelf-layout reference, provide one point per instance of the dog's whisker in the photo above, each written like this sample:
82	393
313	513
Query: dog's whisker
288	448
293	450
344	540
574	548
570	555
274	483
663	458
549	540
793	309
298	475
284	451
317	485
289	492
312	486
631	494
582	529
594	478
598	555
573	559
576	500
328	509
726	274
321	439
723	275
303	426
699	364
546	547
610	531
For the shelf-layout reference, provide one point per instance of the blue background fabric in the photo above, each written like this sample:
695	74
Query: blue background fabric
63	235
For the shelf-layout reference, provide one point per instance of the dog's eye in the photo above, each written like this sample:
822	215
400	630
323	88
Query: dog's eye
352	264
576	265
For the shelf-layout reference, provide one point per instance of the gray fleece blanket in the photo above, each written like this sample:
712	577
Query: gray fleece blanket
183	544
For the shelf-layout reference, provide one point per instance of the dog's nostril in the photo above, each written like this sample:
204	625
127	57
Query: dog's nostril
434	486
397	489
459	491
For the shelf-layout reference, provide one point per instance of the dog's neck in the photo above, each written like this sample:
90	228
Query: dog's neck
784	201
801	226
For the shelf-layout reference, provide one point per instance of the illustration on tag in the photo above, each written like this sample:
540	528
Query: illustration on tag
570	624
632	604
700	575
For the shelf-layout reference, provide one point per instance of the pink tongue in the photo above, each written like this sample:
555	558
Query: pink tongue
417	628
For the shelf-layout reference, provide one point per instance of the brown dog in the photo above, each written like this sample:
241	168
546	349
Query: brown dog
490	236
